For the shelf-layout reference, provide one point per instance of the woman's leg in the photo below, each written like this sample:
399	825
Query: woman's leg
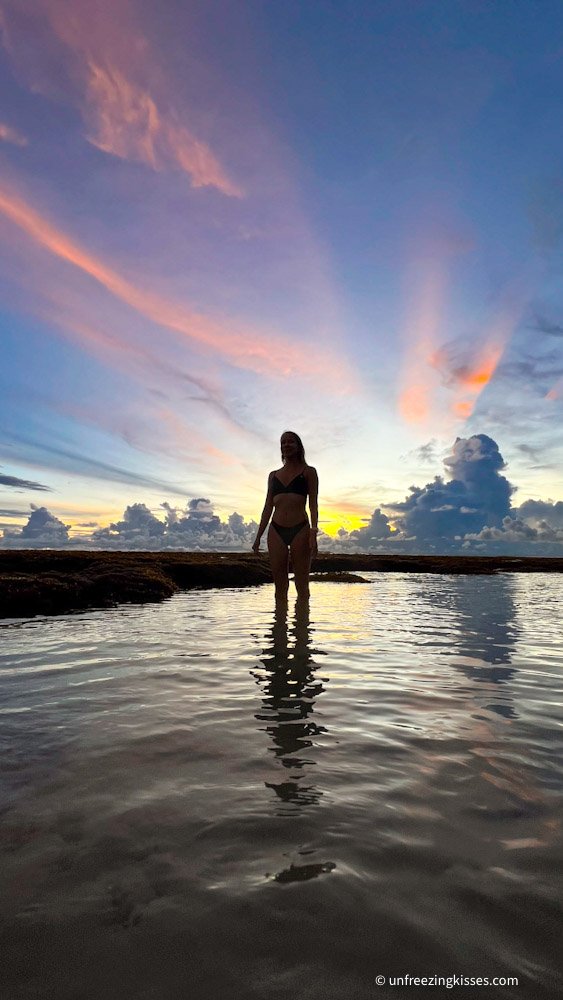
301	562
279	562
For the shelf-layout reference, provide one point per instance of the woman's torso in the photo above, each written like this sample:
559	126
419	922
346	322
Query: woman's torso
290	507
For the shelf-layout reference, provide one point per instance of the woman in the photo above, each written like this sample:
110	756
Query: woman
290	532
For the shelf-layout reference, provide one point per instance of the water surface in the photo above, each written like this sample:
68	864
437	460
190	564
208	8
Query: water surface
203	798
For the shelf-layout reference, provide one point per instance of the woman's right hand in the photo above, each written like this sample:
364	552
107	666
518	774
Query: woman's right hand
256	547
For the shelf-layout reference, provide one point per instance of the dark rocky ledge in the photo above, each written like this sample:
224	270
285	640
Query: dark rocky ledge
51	582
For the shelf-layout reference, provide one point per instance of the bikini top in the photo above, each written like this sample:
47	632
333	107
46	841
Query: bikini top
297	485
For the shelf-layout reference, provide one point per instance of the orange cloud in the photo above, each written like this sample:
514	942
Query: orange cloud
463	409
9	134
246	350
471	378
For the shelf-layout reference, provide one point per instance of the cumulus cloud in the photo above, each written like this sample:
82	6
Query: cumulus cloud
516	537
476	496
536	512
43	529
138	523
377	529
195	528
469	512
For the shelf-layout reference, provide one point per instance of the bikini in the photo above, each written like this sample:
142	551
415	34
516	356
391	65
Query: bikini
288	534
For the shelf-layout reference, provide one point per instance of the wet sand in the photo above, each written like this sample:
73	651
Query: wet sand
52	582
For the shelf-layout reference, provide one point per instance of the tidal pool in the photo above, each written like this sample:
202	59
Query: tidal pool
205	798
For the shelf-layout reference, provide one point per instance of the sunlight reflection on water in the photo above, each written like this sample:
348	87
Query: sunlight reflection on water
383	768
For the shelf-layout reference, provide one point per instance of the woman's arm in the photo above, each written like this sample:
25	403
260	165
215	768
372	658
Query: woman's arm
266	513
313	481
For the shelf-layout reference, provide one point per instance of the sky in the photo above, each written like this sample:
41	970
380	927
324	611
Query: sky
221	220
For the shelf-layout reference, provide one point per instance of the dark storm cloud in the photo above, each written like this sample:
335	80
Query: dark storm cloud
22	484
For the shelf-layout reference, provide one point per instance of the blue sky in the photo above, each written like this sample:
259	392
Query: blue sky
219	221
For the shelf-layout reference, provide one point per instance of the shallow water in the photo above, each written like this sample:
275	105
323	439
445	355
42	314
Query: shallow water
201	798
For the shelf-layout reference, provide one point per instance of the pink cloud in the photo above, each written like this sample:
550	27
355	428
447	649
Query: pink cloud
246	349
11	135
94	57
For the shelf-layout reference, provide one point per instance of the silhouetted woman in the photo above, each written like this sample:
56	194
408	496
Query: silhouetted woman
290	531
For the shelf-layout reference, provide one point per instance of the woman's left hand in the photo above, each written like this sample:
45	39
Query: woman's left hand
313	541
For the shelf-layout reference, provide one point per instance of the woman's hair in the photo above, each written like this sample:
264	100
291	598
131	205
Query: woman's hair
299	445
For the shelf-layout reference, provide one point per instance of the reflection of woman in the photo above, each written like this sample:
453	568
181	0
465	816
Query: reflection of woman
290	532
289	693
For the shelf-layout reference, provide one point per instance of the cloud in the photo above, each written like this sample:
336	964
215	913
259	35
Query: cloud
22	484
545	326
536	512
252	351
125	121
194	528
11	135
467	369
475	497
93	57
469	513
138	523
516	536
534	370
377	529
426	452
43	528
49	456
545	210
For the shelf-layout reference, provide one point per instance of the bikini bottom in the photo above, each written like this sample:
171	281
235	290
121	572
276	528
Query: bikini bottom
288	534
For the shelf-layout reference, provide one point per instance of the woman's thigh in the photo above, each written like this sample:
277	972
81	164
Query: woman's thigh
278	552
301	552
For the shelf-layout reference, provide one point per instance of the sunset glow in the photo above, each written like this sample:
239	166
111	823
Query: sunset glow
207	238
